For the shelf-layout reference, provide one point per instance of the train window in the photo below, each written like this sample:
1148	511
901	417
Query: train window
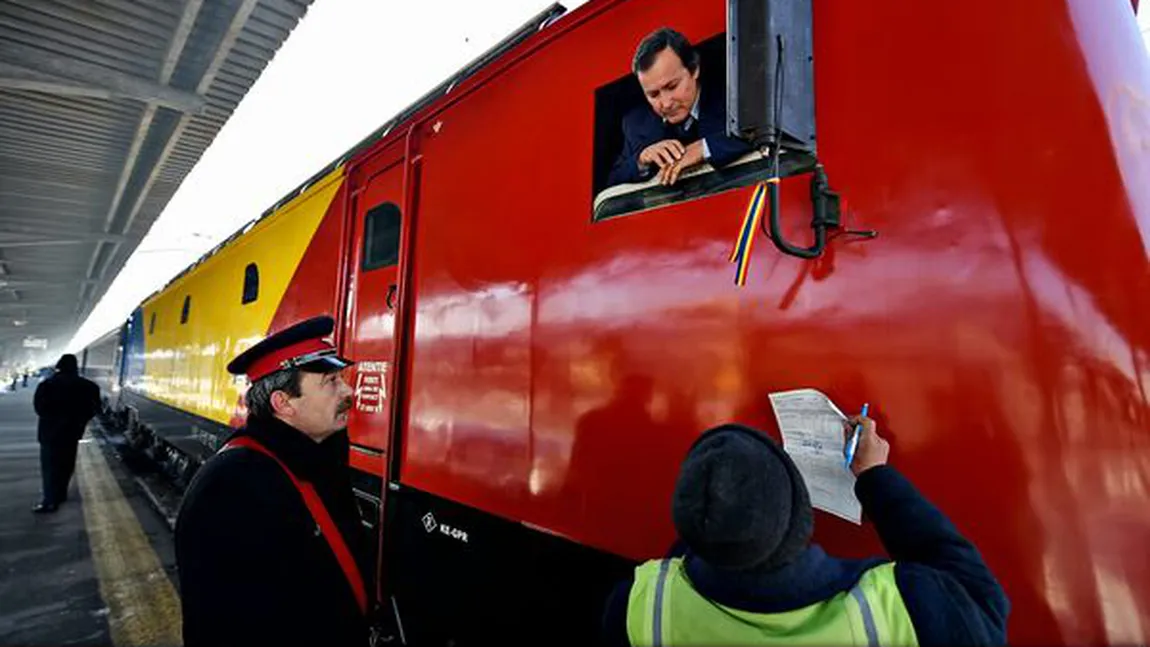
152	325
251	284
381	228
613	197
186	310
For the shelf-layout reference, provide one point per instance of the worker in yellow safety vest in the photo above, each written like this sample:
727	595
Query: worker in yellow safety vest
745	571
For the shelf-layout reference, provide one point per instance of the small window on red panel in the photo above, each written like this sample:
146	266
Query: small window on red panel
381	229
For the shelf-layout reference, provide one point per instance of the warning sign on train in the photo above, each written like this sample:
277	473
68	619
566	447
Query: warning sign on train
370	386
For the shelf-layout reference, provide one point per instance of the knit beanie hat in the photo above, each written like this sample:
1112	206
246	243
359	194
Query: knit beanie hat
740	502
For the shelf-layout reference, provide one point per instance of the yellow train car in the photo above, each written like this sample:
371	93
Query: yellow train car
180	339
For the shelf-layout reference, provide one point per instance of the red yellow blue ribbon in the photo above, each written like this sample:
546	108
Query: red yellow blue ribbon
741	254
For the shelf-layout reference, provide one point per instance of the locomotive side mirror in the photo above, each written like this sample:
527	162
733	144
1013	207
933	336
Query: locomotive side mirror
770	73
771	104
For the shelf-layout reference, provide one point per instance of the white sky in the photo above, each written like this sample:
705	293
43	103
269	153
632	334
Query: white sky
347	68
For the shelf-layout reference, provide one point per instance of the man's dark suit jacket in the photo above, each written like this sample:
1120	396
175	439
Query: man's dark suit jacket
642	127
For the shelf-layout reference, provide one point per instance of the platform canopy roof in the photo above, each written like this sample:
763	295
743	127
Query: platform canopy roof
105	106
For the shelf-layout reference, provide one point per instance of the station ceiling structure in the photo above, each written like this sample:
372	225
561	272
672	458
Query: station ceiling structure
105	106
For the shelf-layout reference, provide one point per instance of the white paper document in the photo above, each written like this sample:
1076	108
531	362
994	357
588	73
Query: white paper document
812	430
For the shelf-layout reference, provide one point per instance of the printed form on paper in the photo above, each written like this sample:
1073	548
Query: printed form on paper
812	430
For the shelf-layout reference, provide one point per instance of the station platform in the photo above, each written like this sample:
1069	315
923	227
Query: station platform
99	571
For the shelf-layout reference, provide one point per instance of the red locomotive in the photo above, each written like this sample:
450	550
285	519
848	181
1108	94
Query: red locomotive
537	350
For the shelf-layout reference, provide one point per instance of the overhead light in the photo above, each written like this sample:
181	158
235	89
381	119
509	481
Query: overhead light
36	342
3	284
19	322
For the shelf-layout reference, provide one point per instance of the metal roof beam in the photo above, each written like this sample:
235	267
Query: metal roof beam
48	281
36	230
225	47
97	17
235	27
53	170
37	305
8	308
171	59
97	98
11	283
27	68
175	50
13	235
75	109
56	241
53	264
24	213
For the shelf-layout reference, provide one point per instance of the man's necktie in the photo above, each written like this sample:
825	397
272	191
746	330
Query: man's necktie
686	130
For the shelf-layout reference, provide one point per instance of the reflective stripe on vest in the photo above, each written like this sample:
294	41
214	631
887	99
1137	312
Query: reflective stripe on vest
664	609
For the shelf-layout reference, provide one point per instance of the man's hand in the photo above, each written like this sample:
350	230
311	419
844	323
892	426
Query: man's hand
662	154
693	155
873	449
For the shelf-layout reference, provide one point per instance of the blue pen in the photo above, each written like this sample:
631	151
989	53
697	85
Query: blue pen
854	444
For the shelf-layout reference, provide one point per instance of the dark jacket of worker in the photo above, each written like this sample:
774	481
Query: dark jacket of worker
642	127
950	595
65	402
254	567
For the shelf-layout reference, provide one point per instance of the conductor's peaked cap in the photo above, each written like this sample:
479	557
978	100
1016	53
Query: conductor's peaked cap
306	345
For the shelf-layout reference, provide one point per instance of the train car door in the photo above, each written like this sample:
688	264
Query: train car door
370	340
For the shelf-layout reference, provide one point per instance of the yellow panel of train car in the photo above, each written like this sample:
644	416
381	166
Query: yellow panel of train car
210	314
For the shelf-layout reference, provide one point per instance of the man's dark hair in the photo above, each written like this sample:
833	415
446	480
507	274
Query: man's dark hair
660	40
68	364
259	395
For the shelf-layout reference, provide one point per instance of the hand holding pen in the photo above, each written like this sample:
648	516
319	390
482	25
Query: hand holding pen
870	449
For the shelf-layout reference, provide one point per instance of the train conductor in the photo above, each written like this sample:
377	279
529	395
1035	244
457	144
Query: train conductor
269	544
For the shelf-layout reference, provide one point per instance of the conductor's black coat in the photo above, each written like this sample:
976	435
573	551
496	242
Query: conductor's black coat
253	566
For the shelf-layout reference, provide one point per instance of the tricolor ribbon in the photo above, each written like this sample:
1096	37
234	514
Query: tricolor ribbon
741	254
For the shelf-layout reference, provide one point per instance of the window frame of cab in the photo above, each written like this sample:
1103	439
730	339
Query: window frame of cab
368	262
615	99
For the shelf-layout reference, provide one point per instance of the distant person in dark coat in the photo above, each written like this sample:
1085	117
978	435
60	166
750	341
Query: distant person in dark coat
65	403
686	121
750	574
257	566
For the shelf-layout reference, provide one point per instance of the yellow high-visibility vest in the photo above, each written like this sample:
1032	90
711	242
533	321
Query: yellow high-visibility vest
665	609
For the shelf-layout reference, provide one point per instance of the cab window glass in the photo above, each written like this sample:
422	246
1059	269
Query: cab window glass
624	96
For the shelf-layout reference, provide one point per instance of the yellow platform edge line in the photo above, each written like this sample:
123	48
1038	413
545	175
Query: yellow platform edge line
143	606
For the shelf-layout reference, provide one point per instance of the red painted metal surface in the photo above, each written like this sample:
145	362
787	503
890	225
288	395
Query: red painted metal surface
375	296
557	369
316	286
